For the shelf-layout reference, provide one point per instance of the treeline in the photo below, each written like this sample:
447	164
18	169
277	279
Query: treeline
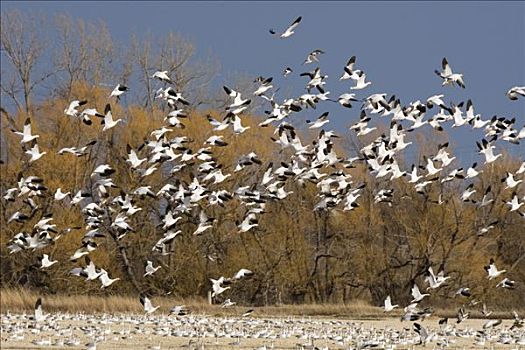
297	254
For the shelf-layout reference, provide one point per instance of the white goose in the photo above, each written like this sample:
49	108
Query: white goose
416	294
108	119
360	82
514	203
162	76
492	271
35	153
39	315
46	262
290	30
26	132
105	280
148	306
150	270
388	304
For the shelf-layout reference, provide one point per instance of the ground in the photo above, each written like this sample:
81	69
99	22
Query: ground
129	331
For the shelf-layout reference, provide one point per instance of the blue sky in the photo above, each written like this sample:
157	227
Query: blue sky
398	45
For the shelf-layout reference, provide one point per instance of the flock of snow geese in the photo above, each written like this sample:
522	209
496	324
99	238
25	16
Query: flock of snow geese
106	212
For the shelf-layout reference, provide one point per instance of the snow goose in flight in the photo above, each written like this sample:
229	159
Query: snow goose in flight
108	119
26	133
246	160
472	172
487	228
34	152
118	91
463	291
436	100
290	30
509	179
346	100
449	78
515	92
242	273
435	281
486	148
146	303
443	155
162	76
431	169
469	191
238	101
218	126
216	141
205	223
87	247
457	115
89	112
249	222
79	152
287	71
469	114
90	271
39	315
485	199
105	279
416	294
103	170
506	283
150	270
312	56
71	110
360	82
46	262
388	304
514	203
133	159
349	69
59	195
492	271
265	86
237	126
424	337
217	287
322	120
420	188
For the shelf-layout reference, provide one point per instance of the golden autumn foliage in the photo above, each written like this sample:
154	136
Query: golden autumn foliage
298	255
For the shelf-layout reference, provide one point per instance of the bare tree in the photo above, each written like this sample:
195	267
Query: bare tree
23	46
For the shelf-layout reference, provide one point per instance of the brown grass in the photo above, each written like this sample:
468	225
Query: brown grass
22	300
